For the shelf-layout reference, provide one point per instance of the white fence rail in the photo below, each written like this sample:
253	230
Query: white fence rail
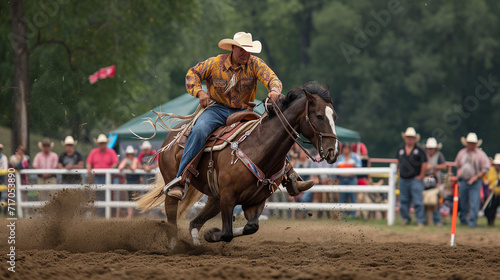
389	207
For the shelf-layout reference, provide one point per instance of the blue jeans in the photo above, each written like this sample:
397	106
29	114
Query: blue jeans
468	202
411	190
213	117
345	196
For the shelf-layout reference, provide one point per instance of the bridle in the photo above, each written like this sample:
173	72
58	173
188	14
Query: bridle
295	135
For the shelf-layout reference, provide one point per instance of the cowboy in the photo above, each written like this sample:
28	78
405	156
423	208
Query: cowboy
493	200
472	163
435	164
46	159
70	159
412	161
232	82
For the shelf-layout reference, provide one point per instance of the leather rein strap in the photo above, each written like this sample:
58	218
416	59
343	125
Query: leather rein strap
295	135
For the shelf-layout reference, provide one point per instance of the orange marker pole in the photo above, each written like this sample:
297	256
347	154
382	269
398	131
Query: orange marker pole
454	216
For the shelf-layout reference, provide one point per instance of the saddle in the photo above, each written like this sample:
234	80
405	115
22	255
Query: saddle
236	124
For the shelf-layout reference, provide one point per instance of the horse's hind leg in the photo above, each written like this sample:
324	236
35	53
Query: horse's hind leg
171	211
252	214
211	209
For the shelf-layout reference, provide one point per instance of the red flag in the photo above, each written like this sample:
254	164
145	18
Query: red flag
107	72
103	73
93	78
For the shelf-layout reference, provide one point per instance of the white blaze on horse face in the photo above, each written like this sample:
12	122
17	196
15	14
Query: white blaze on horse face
329	115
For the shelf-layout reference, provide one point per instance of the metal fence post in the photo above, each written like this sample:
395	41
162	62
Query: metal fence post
108	195
391	197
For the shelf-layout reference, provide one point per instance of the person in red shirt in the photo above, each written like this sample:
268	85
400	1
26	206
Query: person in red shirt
101	157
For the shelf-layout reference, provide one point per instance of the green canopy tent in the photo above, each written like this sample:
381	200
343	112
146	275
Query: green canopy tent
182	105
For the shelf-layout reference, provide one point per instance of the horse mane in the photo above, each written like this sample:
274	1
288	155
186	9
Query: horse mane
322	90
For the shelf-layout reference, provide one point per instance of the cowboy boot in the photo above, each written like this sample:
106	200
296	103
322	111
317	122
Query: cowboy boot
293	183
175	189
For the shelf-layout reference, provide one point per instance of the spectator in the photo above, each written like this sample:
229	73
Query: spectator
19	161
492	177
70	159
412	161
46	159
146	153
130	162
435	164
101	157
348	159
4	165
472	164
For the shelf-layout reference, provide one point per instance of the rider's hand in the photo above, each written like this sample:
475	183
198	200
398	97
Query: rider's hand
274	95
204	98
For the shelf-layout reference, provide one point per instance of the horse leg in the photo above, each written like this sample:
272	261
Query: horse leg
211	209
171	211
227	204
252	214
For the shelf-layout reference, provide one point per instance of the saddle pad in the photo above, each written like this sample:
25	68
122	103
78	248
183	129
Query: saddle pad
228	133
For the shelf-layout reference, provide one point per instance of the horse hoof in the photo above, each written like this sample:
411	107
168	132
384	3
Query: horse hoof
211	235
226	237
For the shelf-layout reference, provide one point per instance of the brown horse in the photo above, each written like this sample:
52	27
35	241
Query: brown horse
267	146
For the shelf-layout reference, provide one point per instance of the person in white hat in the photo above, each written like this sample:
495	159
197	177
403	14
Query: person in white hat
146	153
130	163
231	80
70	159
412	161
435	164
493	201
101	157
46	159
472	163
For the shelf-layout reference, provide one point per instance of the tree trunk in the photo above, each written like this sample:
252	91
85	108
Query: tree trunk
20	100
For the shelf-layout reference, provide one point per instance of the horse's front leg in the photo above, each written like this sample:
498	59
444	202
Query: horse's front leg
252	214
171	211
227	204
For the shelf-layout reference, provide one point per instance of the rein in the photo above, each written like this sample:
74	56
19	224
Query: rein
295	135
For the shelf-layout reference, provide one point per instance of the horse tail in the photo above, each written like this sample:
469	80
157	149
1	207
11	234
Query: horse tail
192	196
154	197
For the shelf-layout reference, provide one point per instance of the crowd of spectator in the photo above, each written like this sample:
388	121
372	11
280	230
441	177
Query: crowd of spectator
422	171
101	157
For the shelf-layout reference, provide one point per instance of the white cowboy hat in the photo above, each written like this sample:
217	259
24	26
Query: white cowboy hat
69	141
45	142
471	138
432	143
145	145
101	139
130	150
497	159
410	132
242	40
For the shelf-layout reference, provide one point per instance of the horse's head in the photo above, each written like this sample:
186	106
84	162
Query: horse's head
318	124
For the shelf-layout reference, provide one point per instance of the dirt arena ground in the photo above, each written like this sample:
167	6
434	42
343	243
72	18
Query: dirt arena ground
60	244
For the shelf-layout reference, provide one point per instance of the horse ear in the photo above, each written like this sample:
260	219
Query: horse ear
310	98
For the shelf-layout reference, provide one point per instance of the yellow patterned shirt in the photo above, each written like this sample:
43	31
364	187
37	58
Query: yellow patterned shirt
217	72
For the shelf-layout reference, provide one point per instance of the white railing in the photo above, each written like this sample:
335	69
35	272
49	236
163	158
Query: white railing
390	189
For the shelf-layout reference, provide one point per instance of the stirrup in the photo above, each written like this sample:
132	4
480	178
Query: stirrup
176	182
